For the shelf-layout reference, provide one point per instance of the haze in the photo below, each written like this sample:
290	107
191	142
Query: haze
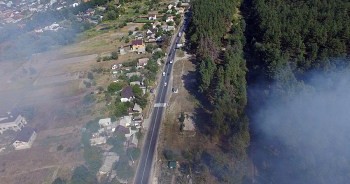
306	135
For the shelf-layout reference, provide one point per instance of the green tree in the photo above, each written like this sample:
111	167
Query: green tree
149	48
114	87
114	55
92	126
123	169
81	175
134	153
137	91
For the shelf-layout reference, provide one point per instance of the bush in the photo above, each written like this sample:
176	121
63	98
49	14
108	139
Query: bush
114	87
90	76
134	153
60	147
114	55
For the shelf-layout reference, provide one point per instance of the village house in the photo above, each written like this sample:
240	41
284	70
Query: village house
98	140
12	121
142	62
152	17
180	10
170	19
122	51
155	24
170	6
127	95
151	33
122	130
171	28
137	108
25	138
138	46
104	122
133	83
125	121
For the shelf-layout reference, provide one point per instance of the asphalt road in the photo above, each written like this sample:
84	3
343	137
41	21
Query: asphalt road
146	159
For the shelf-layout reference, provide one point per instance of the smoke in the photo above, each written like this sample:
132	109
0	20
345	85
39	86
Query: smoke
303	138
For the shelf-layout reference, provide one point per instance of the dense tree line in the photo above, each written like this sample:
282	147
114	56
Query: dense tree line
217	38
301	34
286	42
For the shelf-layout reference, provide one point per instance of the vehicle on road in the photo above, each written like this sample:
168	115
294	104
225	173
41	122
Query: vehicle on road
163	73
171	61
165	84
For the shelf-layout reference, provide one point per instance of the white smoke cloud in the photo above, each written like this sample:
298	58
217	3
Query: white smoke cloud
307	134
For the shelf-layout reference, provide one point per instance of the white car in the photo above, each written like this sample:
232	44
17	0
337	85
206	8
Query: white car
165	84
163	73
171	61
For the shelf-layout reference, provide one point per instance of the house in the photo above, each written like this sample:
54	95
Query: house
98	140
11	121
122	51
122	130
25	138
171	28
127	95
170	6
152	17
151	33
135	83
110	159
180	10
172	164
104	122
155	24
125	121
137	120
138	46
170	19
142	62
137	108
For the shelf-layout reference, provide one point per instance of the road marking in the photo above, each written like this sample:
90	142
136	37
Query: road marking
160	105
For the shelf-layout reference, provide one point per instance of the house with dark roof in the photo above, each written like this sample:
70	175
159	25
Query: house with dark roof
138	46
25	138
127	95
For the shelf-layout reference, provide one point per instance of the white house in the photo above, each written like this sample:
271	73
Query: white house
170	19
24	139
152	17
135	83
125	121
104	122
97	141
11	121
137	108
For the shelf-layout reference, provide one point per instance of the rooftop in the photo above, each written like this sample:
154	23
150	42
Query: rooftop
25	134
127	92
137	42
9	117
